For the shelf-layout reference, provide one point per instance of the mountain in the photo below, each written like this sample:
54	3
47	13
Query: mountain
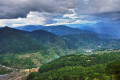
91	41
64	30
52	40
18	50
22	39
47	38
21	49
109	28
59	30
85	40
12	41
30	27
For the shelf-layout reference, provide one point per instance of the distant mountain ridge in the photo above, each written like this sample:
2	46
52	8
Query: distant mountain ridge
29	28
110	28
91	41
61	30
64	30
72	38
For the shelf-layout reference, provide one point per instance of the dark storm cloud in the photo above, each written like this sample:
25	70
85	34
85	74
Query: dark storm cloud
100	9
113	16
20	8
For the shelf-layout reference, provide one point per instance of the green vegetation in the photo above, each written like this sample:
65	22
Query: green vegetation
19	50
113	68
28	60
51	40
79	67
91	41
12	41
3	70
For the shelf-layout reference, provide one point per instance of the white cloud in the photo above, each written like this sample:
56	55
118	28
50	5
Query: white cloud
36	18
75	22
33	18
71	18
71	15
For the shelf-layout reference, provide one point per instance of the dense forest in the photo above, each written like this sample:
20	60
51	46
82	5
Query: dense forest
87	40
12	41
104	66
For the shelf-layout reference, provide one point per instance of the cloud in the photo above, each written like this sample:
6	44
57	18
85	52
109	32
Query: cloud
72	14
104	9
33	18
73	22
98	6
57	12
115	16
20	8
72	18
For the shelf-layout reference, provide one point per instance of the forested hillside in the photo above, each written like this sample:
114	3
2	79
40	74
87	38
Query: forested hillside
21	49
92	41
79	67
52	40
18	50
12	41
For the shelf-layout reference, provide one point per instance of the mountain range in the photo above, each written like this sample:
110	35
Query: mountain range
81	38
62	30
27	49
109	28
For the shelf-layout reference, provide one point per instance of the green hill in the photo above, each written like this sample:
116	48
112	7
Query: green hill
91	41
12	41
20	51
77	67
52	40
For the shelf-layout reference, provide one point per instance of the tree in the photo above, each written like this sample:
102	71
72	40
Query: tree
33	76
113	68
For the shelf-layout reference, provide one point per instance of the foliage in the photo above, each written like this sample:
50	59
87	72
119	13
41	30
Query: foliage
91	41
52	40
12	41
113	68
4	70
77	67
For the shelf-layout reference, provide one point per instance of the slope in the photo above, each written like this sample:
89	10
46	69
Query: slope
20	51
64	30
91	41
12	41
77	67
52	40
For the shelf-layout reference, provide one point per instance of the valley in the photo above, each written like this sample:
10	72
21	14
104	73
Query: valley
59	39
23	52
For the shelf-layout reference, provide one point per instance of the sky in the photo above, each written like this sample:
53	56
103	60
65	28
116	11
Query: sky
15	13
